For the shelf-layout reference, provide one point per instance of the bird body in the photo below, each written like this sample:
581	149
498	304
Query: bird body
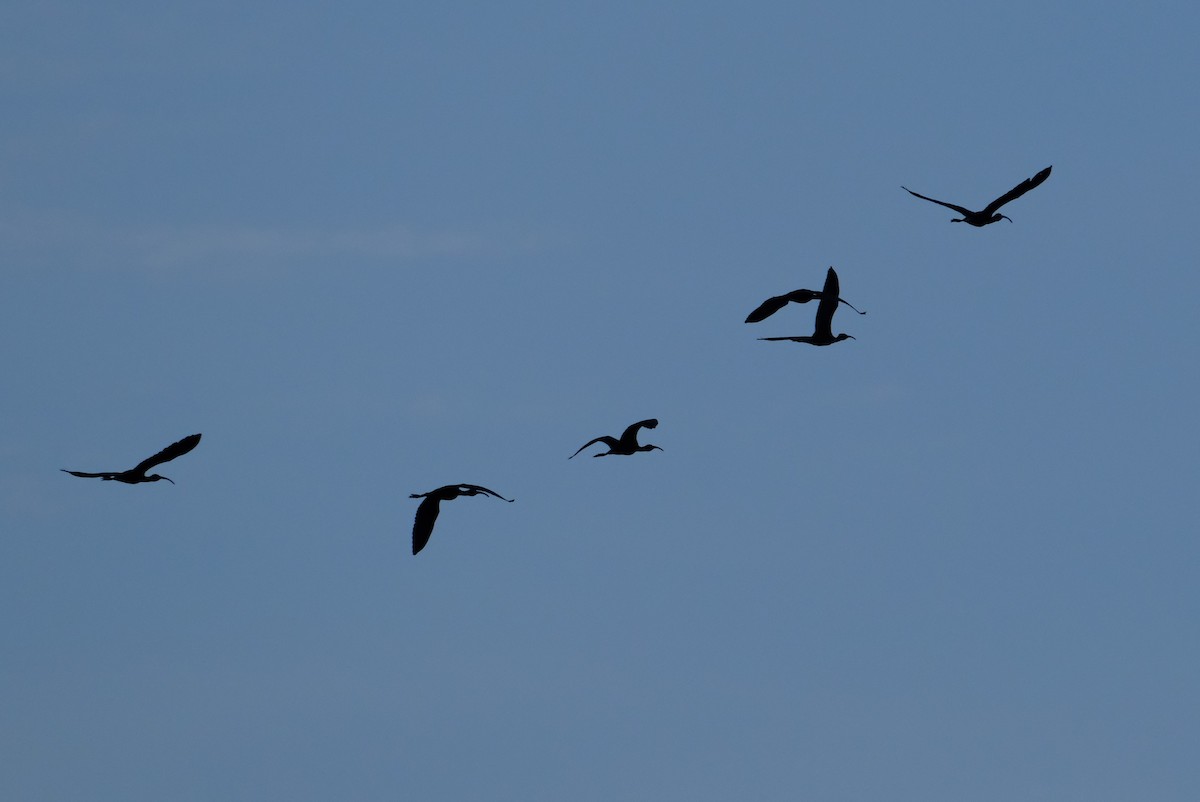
137	474
823	329
427	510
626	445
990	213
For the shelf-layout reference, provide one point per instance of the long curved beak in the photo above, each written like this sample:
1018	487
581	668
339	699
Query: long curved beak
172	481
1006	217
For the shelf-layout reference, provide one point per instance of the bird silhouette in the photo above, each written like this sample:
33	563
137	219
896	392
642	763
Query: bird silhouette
427	510
774	304
137	474
823	330
628	443
990	212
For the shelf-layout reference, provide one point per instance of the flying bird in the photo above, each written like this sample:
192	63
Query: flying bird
137	474
773	305
427	510
823	330
628	443
990	213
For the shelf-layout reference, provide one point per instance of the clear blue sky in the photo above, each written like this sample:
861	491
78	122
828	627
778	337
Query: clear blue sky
373	248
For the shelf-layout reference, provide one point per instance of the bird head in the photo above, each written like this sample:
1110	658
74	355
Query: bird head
649	448
844	336
154	477
996	217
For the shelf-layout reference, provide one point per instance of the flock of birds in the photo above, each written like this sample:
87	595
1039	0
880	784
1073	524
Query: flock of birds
828	299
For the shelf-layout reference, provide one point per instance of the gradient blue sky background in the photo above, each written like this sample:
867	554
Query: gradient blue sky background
375	248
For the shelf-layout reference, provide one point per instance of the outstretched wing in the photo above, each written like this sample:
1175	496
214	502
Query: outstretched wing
767	308
828	305
611	442
958	209
427	513
773	305
169	453
474	490
106	475
630	433
1017	191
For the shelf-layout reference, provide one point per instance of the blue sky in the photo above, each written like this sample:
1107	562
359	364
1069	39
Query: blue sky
374	249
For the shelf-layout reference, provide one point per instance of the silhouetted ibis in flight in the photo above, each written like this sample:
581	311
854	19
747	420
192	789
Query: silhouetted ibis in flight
628	443
823	331
990	213
427	510
773	305
137	474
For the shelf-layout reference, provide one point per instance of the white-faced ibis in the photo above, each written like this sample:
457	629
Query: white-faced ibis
427	510
628	443
823	330
990	213
774	304
137	474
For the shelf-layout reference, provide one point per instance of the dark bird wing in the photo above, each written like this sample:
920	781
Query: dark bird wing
767	308
828	305
630	433
106	475
169	453
1017	191
958	209
475	490
611	442
632	429
773	305
427	513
